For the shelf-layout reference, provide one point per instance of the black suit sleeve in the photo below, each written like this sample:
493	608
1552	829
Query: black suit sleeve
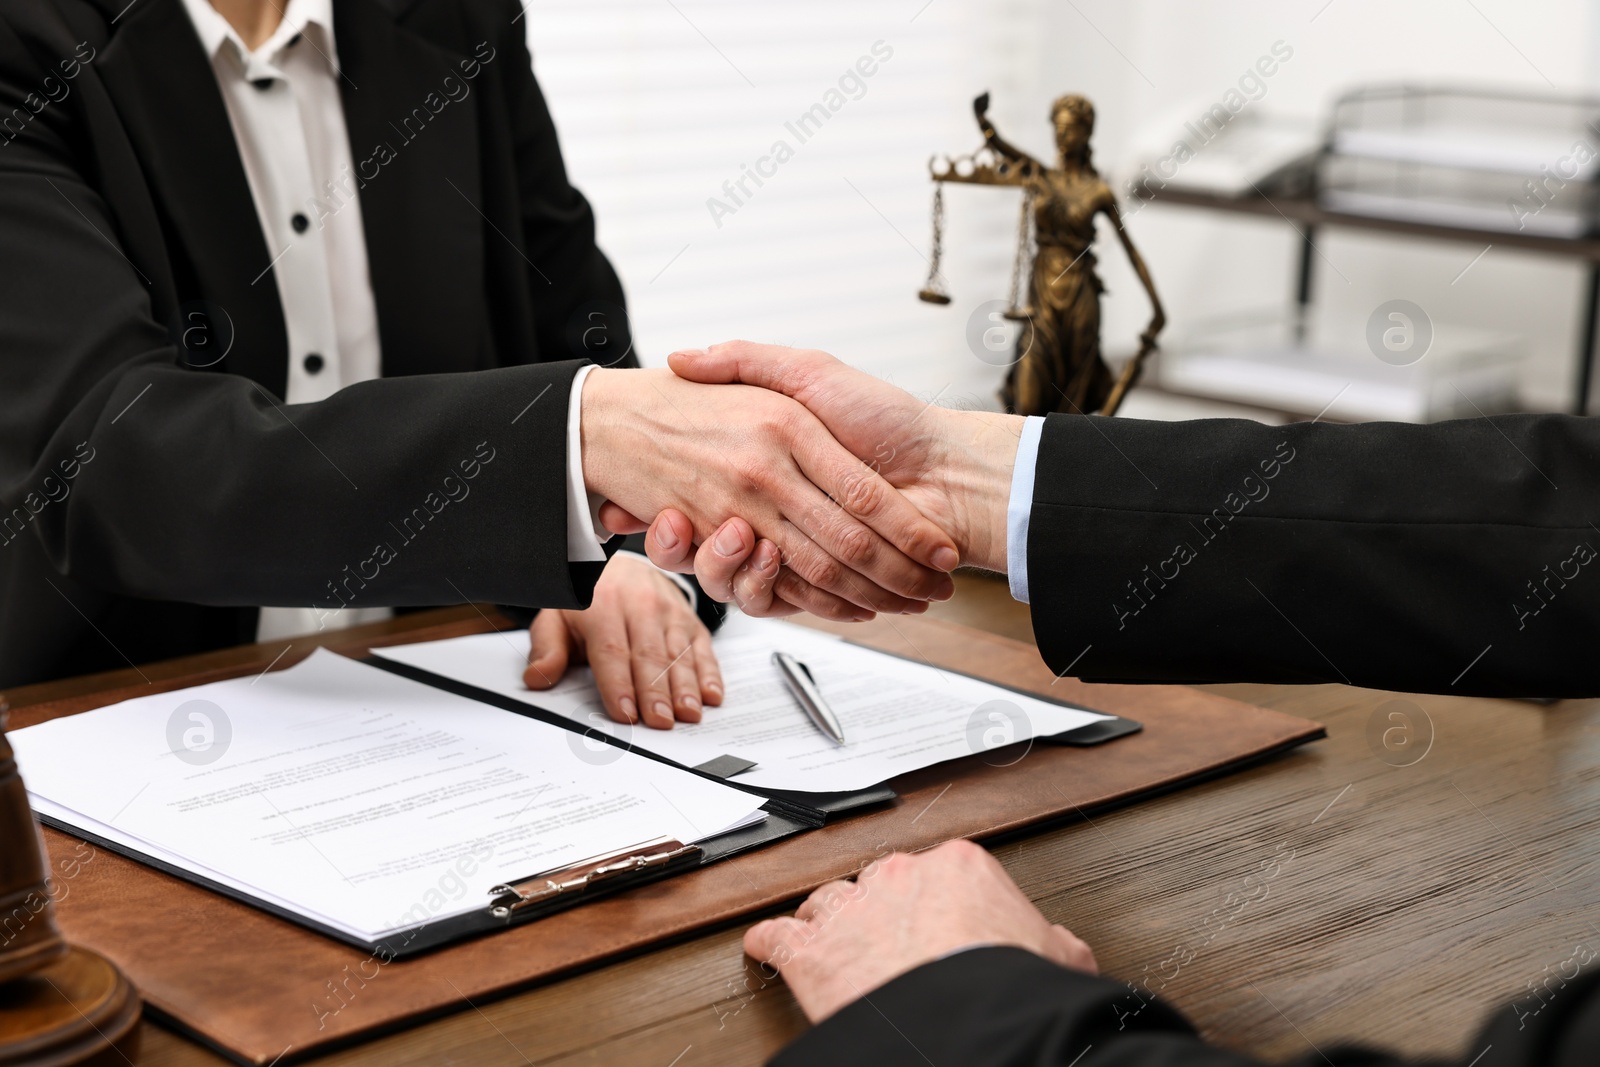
578	300
578	303
1459	557
139	476
1005	1007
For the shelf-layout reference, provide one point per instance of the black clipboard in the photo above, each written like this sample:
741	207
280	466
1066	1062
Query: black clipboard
520	901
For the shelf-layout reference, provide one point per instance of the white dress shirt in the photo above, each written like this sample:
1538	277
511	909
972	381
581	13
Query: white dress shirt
288	121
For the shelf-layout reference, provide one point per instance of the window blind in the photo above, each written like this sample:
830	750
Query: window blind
759	170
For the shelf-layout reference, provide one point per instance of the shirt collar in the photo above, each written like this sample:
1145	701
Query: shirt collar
313	18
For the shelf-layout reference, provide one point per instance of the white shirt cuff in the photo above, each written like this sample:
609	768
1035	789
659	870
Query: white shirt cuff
583	507
1020	506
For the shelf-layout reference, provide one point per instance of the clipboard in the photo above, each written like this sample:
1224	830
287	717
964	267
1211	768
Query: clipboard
318	733
515	903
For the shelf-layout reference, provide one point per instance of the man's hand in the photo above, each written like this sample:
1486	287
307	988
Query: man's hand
850	544
849	938
648	650
954	466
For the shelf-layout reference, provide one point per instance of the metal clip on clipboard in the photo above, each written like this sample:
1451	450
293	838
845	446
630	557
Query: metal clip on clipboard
512	897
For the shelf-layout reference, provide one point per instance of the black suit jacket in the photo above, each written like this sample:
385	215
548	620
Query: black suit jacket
151	497
1461	557
1005	1007
1458	557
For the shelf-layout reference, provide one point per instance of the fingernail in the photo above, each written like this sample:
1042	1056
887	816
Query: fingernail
945	591
663	712
691	702
945	559
728	542
665	537
713	690
629	711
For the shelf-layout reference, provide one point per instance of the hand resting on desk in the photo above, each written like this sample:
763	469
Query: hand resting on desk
877	965
651	655
848	938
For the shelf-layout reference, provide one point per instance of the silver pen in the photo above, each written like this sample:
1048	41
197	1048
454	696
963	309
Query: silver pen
798	678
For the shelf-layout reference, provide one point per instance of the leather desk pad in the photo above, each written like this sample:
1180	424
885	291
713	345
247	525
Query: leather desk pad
253	986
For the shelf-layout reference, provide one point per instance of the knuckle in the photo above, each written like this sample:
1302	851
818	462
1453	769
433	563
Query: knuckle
803	594
893	862
779	417
825	573
652	652
750	472
861	494
854	544
961	848
966	853
610	649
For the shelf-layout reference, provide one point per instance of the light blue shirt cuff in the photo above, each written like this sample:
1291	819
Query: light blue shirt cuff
1020	507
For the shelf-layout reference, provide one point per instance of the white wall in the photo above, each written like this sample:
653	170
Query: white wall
659	103
1196	49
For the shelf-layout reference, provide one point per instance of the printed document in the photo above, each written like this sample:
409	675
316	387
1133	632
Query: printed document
898	715
359	799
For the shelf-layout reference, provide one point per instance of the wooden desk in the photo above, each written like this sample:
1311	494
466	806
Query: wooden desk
1409	901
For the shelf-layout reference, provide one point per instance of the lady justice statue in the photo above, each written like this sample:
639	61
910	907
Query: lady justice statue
1058	365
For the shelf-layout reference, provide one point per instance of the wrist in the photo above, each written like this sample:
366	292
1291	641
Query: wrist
980	456
601	404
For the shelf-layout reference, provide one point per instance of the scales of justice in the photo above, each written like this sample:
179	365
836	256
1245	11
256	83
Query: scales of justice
1057	365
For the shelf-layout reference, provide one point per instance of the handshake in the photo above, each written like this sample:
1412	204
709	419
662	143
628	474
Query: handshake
788	481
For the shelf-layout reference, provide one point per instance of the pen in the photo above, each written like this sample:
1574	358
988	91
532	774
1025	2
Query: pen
798	678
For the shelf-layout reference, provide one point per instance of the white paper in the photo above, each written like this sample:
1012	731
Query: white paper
357	798
898	716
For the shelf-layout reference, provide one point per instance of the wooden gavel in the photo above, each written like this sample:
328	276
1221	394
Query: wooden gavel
29	939
59	1003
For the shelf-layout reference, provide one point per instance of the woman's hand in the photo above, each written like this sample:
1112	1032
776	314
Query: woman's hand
649	652
653	440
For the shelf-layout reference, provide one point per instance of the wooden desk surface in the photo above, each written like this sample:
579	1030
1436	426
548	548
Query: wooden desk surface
1424	877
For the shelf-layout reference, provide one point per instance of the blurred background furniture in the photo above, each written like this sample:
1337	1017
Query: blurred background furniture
1515	170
